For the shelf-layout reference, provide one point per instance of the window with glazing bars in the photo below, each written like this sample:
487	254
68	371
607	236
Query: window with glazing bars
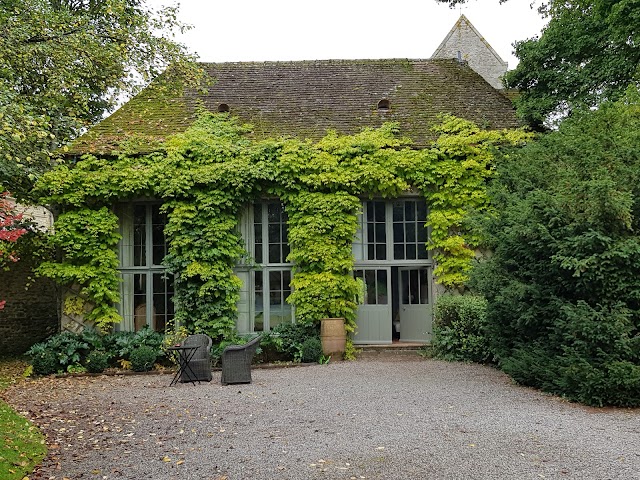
146	290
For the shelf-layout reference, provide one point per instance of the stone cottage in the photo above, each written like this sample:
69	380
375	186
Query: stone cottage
301	99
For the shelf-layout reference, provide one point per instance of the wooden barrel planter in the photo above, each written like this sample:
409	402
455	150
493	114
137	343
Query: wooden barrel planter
333	336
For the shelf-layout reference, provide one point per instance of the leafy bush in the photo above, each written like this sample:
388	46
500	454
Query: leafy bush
66	348
563	280
350	351
288	339
44	361
311	350
459	328
68	352
122	344
143	358
97	361
94	339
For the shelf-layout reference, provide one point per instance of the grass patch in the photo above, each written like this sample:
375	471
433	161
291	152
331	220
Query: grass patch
22	445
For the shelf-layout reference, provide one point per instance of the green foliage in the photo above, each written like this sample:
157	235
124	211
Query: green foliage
67	348
65	63
44	362
350	351
88	239
89	350
123	344
97	361
76	369
142	358
586	54
206	174
289	340
204	247
453	176
311	350
459	328
321	230
563	281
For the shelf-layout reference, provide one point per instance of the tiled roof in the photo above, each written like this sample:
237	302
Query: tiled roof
306	98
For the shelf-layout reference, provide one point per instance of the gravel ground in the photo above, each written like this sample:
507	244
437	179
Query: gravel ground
382	418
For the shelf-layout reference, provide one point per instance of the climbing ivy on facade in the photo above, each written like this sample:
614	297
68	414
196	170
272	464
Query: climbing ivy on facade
204	178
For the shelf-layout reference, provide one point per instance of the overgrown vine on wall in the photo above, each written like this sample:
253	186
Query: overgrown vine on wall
321	230
87	239
453	179
211	172
205	175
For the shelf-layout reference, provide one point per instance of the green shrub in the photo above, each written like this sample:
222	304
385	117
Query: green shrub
44	362
93	338
311	350
67	349
122	344
350	351
288	339
143	358
97	361
459	328
563	280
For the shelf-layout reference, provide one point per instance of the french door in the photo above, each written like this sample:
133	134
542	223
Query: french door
415	304
374	314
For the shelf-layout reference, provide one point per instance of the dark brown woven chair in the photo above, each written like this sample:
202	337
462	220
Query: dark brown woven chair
236	362
200	363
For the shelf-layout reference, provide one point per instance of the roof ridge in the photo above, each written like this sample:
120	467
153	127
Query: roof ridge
336	60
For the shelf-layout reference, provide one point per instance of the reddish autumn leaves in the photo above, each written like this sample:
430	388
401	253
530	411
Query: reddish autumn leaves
11	229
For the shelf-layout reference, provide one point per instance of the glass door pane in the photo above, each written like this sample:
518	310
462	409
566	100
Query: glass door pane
409	231
163	311
279	290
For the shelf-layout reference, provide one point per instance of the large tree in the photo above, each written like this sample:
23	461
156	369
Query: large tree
563	280
588	53
65	63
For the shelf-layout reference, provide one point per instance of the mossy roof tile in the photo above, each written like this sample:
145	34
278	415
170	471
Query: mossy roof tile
307	98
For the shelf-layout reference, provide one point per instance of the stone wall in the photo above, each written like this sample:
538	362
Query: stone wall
30	314
474	50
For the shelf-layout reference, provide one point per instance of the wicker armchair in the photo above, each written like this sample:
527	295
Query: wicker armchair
236	362
200	363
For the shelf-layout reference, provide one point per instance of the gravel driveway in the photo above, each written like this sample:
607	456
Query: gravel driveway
383	418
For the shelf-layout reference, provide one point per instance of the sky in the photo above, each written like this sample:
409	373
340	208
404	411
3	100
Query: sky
261	30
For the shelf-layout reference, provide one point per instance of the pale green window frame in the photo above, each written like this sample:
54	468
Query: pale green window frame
270	278
144	280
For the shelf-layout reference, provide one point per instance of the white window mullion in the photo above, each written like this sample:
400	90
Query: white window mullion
149	258
388	220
